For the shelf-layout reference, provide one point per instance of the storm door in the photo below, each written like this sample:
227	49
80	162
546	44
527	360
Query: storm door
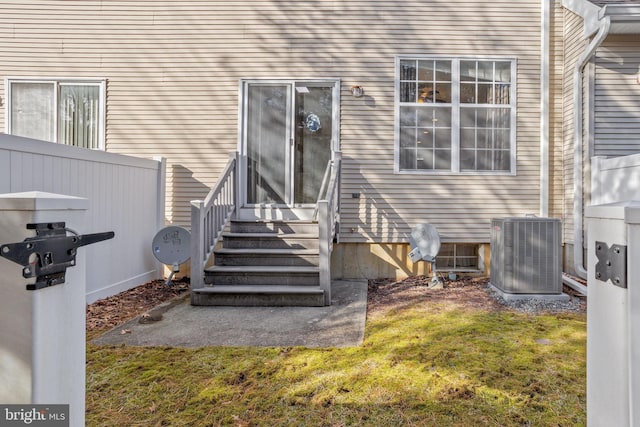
289	133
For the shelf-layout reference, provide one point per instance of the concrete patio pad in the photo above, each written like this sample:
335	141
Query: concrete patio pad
183	325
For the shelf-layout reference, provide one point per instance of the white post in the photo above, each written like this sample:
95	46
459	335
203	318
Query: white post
161	196
613	315
236	185
42	332
197	245
324	232
632	218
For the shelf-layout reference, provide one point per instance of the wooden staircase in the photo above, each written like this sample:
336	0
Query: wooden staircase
264	263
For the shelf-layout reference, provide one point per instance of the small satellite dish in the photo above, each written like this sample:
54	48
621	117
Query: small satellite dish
172	246
425	245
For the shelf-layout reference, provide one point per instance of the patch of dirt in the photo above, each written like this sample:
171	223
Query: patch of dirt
387	294
106	314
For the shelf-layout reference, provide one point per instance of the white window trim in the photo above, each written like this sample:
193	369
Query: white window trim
57	81
455	115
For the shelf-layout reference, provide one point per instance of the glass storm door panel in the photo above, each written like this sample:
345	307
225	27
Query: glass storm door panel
289	136
313	140
268	143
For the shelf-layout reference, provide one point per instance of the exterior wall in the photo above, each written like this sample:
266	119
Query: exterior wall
172	71
556	87
573	47
616	127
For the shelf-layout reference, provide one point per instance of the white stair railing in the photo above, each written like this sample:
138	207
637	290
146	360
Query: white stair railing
328	215
210	216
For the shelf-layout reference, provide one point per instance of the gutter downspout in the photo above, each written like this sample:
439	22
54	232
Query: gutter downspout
578	209
544	108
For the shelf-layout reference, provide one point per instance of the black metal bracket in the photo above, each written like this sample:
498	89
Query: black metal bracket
612	264
48	255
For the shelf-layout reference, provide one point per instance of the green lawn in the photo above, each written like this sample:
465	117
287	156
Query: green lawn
426	365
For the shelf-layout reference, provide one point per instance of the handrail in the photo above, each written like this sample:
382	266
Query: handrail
323	186
210	216
328	214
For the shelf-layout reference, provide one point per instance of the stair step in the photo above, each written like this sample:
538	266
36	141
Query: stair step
269	241
258	296
266	257
263	275
274	226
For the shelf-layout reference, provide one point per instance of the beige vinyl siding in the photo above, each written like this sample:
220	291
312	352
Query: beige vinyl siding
617	97
556	176
172	70
574	45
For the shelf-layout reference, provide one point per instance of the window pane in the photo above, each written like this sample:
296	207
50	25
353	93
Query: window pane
468	117
442	138
501	141
485	71
443	71
485	94
407	137
466	250
407	159
33	110
468	71
483	117
426	116
501	118
503	72
407	92
407	116
407	70
484	159
426	92
79	116
425	159
468	93
502	160
483	138
468	138
425	71
446	250
443	92
442	117
502	94
424	137
442	159
467	160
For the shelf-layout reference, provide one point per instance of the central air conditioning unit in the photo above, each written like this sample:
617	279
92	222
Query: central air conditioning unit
526	255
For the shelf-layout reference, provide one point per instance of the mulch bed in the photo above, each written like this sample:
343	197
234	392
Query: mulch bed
387	294
106	314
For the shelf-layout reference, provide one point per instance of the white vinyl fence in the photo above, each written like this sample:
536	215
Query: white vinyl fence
126	196
613	306
616	179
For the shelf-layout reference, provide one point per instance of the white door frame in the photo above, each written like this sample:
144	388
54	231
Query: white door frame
279	211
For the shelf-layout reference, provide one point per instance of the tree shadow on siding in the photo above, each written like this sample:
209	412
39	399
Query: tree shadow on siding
185	189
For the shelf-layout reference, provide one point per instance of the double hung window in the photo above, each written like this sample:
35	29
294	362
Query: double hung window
64	111
455	115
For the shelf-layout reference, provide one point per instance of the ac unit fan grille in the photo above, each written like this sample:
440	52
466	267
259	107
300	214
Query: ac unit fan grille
526	255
